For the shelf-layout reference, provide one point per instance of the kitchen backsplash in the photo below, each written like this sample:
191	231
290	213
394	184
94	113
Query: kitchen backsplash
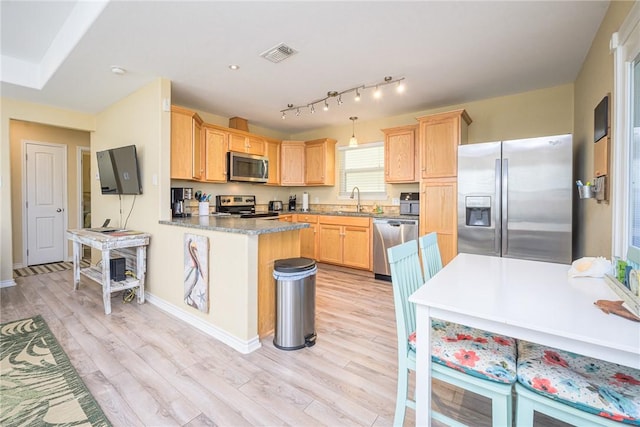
191	206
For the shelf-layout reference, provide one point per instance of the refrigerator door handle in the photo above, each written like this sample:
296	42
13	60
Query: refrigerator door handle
505	206
496	210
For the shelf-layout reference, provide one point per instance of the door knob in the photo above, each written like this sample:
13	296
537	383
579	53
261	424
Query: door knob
58	210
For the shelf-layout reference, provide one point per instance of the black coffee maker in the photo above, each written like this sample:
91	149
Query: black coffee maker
178	196
292	203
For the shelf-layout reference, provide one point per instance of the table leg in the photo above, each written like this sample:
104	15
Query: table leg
423	366
77	248
141	269
106	280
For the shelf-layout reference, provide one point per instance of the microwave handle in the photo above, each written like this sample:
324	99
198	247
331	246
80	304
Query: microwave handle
266	169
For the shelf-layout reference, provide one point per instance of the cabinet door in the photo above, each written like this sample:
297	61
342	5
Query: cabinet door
215	153
356	251
330	243
440	135
198	154
272	150
242	143
308	241
255	146
400	155
315	163
438	212
237	143
292	163
182	144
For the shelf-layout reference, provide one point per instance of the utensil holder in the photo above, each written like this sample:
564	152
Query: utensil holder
203	208
586	192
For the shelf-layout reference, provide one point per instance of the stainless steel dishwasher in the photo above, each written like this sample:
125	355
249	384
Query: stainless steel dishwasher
388	233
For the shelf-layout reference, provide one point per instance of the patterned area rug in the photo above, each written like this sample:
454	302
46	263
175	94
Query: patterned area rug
46	268
38	384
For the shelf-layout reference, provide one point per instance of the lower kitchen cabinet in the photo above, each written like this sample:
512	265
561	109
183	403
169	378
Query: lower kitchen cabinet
438	212
345	241
308	236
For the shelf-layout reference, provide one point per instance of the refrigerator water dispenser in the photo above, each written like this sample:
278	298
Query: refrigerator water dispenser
478	211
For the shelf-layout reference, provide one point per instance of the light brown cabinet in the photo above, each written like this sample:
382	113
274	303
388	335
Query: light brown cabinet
345	241
187	161
400	159
308	236
246	143
438	212
272	151
215	154
286	218
292	163
439	137
320	163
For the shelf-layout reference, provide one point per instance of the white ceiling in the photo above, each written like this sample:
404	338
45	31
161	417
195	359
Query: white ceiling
60	53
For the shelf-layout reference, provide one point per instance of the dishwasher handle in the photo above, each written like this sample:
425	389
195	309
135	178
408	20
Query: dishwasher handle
395	222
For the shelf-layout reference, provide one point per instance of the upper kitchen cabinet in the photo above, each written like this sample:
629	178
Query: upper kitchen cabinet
215	154
292	163
400	159
320	162
440	135
187	161
272	151
244	142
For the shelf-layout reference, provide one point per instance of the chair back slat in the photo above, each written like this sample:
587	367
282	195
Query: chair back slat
406	278
431	259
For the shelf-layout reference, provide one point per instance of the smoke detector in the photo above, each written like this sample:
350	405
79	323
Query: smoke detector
278	53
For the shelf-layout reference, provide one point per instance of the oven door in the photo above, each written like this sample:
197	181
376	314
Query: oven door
247	167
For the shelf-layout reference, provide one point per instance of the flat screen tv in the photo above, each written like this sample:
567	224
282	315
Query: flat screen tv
601	119
118	171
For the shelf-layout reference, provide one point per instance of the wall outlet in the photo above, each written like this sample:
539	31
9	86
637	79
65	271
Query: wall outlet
395	201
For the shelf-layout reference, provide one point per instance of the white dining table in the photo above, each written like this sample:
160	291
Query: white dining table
528	300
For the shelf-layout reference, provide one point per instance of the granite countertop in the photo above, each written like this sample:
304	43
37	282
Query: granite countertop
231	224
353	213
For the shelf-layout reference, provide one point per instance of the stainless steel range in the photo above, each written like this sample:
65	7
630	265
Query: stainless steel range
243	206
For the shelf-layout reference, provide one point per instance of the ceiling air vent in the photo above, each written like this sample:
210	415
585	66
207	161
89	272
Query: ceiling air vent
278	53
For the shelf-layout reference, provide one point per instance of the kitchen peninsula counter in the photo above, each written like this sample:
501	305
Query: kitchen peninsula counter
230	224
240	255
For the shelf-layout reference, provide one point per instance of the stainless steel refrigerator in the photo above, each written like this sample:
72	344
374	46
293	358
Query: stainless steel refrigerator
515	198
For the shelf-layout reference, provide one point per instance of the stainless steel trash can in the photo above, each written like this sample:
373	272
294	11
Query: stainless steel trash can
295	303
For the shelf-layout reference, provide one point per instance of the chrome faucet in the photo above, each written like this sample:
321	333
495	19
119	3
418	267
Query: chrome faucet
352	193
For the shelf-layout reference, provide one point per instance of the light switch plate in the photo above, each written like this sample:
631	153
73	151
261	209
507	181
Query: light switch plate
395	201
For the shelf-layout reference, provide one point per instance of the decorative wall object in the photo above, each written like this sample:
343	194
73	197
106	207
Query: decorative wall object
196	271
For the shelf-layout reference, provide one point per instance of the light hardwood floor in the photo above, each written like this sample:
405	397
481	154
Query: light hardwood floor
145	367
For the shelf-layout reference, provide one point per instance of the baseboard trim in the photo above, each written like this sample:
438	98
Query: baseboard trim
244	347
7	283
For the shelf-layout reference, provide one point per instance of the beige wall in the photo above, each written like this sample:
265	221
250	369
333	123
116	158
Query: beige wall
18	110
535	113
592	220
21	131
138	119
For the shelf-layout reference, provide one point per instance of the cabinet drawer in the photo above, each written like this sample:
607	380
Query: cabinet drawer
311	219
357	221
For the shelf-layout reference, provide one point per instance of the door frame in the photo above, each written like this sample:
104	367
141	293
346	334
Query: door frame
65	216
79	184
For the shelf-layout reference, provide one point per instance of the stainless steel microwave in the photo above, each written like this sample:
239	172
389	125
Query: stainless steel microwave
247	167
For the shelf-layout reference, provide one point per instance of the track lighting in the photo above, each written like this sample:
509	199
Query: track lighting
338	95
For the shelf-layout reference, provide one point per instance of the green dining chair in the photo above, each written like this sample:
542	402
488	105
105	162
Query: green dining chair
431	259
468	358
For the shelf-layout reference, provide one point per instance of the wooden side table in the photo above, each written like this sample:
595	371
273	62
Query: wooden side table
106	242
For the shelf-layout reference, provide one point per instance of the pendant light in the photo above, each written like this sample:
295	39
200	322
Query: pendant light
353	141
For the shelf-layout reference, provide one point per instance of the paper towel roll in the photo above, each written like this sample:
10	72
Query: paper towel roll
305	202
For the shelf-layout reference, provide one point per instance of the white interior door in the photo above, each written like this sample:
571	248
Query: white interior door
45	202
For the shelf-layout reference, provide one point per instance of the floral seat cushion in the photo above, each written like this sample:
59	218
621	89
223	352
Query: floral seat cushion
591	385
472	351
